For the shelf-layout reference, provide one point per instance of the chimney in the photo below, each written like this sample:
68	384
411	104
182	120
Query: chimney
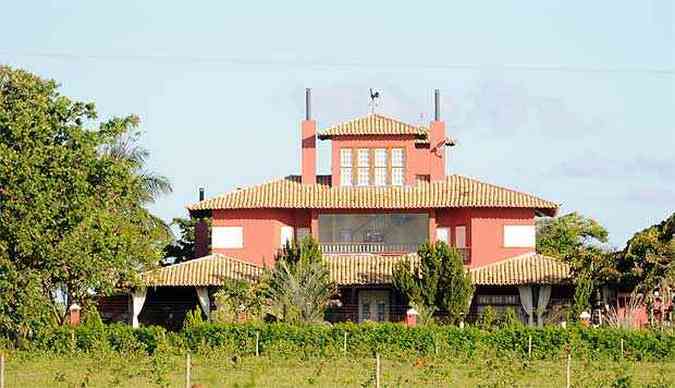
437	142
201	232
308	142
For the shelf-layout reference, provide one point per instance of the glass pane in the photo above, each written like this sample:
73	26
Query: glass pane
387	229
365	311
397	178
363	176
380	157
380	176
345	157
364	157
345	177
397	157
380	311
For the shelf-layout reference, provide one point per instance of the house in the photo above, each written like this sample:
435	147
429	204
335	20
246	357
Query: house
387	192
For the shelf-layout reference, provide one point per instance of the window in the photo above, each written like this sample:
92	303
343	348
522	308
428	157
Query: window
227	237
442	235
345	167
381	308
406	230
397	175
380	167
363	172
519	236
460	236
286	235
365	311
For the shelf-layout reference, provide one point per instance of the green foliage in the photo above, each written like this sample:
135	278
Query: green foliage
488	319
582	296
238	296
183	248
389	339
509	318
72	218
193	318
440	282
298	287
566	235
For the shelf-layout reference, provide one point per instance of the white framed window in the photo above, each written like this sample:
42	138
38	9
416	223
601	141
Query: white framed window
442	234
397	167
374	305
227	237
460	236
380	172
363	157
519	236
345	167
397	177
286	235
363	176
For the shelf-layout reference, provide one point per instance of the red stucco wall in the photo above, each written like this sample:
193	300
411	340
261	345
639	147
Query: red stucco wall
487	233
261	231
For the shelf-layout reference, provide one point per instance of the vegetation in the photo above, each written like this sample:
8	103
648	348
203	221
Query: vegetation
183	248
221	369
298	287
240	299
72	193
441	283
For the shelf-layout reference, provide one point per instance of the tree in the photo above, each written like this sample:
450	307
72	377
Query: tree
648	260
440	283
72	219
299	286
565	236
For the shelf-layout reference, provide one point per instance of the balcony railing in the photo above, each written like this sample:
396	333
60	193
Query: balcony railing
381	248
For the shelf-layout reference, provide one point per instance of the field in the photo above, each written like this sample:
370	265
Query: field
214	369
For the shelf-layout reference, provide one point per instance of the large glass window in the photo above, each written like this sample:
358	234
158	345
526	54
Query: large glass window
406	230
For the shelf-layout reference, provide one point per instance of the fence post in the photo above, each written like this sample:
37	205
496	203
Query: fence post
622	348
257	343
377	370
569	367
344	345
529	347
187	371
2	370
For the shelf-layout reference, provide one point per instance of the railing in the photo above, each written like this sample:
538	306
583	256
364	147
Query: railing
346	248
341	248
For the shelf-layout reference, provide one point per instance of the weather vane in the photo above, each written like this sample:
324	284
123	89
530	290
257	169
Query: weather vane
374	100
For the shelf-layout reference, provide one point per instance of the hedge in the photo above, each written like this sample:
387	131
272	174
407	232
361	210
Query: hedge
363	340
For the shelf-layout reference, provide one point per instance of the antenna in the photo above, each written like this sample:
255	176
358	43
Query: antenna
374	102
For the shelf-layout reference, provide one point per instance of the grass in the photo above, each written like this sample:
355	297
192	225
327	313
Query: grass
216	369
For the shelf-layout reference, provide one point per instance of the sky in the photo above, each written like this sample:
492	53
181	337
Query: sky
573	101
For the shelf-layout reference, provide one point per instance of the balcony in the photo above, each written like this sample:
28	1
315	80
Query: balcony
378	248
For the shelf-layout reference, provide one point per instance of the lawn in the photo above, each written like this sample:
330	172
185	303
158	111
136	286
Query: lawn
214	369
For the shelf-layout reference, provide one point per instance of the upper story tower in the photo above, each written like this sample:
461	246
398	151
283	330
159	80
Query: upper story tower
376	150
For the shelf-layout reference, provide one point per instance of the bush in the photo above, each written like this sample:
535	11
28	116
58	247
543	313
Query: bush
363	340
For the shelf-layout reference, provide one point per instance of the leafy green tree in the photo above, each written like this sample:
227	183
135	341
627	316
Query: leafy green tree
299	286
440	283
648	260
72	219
565	236
184	248
239	296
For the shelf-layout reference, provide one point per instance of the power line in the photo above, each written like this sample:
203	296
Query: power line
234	61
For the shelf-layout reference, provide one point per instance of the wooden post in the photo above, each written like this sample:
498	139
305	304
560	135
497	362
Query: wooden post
344	345
569	366
187	371
377	370
2	370
622	348
257	343
529	347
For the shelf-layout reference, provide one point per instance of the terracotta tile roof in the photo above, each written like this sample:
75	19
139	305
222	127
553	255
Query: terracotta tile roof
373	124
365	269
455	191
360	269
209	270
529	268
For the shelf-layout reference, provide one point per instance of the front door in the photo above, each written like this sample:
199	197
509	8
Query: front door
374	305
